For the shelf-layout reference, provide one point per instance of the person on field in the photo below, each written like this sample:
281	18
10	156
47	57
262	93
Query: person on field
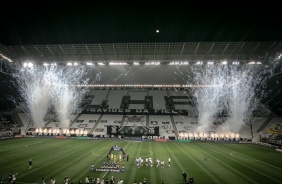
14	178
30	164
53	181
184	174
43	180
92	167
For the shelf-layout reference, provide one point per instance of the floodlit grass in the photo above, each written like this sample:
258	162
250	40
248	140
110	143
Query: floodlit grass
208	163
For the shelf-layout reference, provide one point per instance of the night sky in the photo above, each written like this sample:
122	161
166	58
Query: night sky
183	21
137	21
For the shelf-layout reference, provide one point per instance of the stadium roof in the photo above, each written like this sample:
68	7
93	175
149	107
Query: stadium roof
142	31
163	52
117	31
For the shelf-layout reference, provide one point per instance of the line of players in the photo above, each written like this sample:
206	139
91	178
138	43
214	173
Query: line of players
149	162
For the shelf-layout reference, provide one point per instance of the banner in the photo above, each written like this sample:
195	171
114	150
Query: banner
91	110
107	170
114	157
132	130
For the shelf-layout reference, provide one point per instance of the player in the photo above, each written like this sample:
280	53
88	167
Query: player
98	180
92	167
191	180
158	162
184	174
53	181
87	181
137	161
29	164
142	160
144	181
43	181
168	162
67	180
14	178
112	181
93	180
162	164
1	180
11	177
151	162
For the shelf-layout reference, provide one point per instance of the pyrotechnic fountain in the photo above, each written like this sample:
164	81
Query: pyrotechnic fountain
66	92
227	91
242	99
41	87
34	86
210	92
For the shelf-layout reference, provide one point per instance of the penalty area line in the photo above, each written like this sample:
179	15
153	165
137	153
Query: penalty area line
254	159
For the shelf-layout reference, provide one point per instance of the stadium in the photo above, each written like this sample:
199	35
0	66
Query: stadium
143	105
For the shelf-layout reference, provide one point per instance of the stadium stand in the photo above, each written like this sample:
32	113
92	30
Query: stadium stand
8	126
173	111
164	123
185	124
158	99
137	95
115	98
99	96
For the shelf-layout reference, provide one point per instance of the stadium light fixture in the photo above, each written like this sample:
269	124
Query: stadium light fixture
199	63
252	63
136	63
224	62
178	63
29	64
117	63
152	63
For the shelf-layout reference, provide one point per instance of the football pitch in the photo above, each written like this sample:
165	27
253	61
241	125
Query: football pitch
208	163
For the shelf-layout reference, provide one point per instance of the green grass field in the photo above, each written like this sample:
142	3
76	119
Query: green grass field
208	163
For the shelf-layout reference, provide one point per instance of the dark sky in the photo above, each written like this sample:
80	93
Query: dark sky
137	21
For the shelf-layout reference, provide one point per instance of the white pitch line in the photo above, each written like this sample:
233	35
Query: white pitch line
237	156
26	145
93	152
147	155
254	159
123	149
